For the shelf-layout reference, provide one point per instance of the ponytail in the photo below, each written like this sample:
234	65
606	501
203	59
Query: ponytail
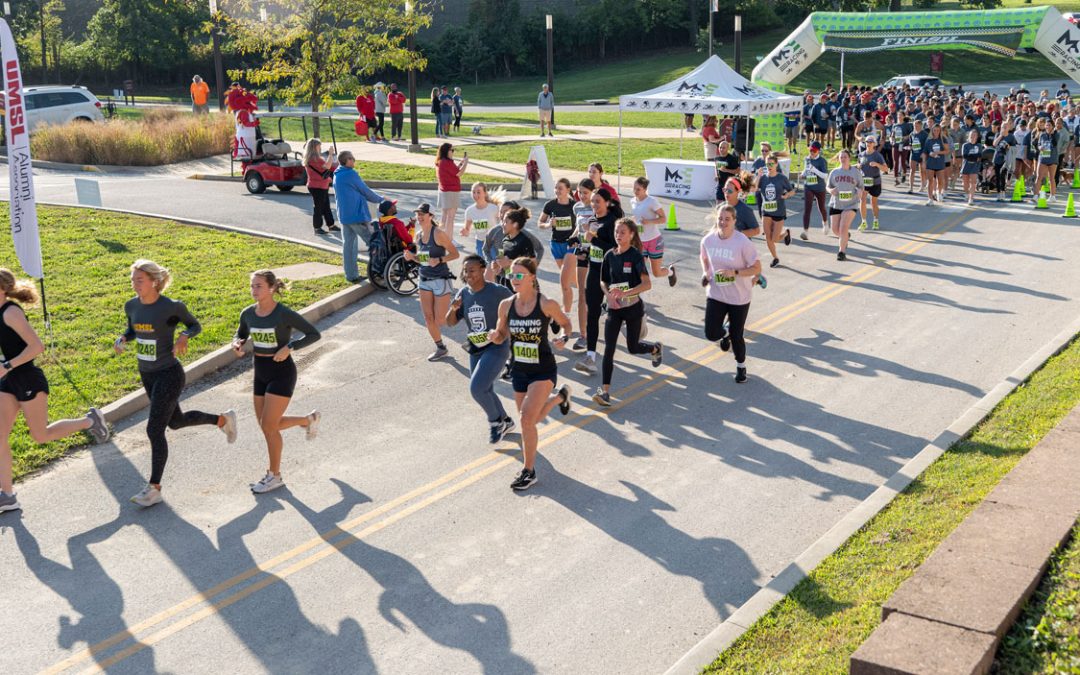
21	290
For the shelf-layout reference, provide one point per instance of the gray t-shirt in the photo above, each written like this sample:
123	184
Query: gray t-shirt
270	333
152	328
871	172
770	194
481	312
848	183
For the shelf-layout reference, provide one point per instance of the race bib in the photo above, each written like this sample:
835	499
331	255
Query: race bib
146	349
846	196
596	254
721	280
564	223
916	145
480	225
478	339
771	206
527	352
898	134
868	181
812	179
264	338
1044	152
422	257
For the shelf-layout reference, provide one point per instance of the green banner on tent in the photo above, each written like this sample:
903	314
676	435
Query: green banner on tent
997	40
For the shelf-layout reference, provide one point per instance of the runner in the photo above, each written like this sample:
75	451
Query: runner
773	191
918	159
937	153
845	190
729	263
1004	143
901	147
1022	167
815	174
971	154
727	166
601	238
745	220
558	214
649	216
478	303
624	278
480	216
1045	145
596	175
583	216
449	174
23	385
151	323
523	321
270	325
955	135
515	244
434	248
872	165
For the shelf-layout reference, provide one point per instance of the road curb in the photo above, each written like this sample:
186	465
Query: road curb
722	637
59	166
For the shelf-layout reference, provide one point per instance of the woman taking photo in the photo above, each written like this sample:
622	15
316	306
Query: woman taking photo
23	385
152	319
449	174
649	216
478	304
624	278
845	195
773	191
434	248
269	325
971	154
524	321
600	237
320	173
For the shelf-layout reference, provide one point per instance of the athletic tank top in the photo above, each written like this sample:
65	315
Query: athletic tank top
10	343
528	340
428	250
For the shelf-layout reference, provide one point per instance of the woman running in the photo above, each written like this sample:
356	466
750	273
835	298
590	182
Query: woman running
745	219
480	217
872	165
955	135
773	190
971	154
937	154
523	322
558	214
434	248
1045	145
624	278
151	323
729	263
901	147
815	174
649	216
478	304
449	174
600	236
1004	144
270	325
596	175
583	216
845	191
23	385
320	173
918	158
516	243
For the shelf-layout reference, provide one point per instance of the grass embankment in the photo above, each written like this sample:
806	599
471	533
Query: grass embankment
86	257
159	137
817	627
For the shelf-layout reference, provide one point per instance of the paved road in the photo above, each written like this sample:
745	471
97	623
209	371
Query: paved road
398	546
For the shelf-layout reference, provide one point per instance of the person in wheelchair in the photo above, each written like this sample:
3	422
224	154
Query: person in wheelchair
398	236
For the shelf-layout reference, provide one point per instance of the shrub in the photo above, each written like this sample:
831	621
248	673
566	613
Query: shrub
160	137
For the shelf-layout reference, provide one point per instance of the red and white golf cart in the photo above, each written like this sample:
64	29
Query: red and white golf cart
274	161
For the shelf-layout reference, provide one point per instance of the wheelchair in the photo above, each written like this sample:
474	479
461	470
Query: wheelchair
387	266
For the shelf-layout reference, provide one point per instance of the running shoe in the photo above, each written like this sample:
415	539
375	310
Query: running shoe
841	256
440	352
970	202
804	235
930	202
333	228
876	224
149	496
762	281
525	480
498	430
506	377
98	428
509	424
269	482
725	343
579	344
319	230
312	429
229	428
740	375
787	237
775	262
8	502
911	192
862	226
586	365
602	398
671	278
564	404
657	354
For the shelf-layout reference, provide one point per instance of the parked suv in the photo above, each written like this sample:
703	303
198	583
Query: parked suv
60	105
915	81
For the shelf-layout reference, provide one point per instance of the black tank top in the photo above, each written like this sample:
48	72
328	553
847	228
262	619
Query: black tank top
10	343
427	250
528	340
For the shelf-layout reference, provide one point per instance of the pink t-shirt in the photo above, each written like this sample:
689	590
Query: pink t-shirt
736	252
449	180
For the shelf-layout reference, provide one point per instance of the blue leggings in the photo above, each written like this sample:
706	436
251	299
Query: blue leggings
486	365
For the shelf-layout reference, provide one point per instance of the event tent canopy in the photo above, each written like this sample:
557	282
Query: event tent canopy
712	88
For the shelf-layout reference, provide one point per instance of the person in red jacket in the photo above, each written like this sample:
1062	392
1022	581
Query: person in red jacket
397	113
365	105
320	172
388	216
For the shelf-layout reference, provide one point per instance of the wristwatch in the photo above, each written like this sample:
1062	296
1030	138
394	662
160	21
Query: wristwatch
6	364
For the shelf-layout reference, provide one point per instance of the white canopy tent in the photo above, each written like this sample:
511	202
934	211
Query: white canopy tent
712	88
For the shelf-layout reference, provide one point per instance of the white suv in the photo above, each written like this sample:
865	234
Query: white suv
914	81
60	105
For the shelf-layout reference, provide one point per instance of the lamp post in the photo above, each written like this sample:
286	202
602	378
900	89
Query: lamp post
410	44
550	65
738	44
712	11
219	70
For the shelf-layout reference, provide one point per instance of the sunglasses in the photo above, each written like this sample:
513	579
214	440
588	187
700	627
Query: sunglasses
517	276
729	191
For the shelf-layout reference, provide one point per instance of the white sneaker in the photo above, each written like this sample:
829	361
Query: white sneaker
149	496
970	201
930	202
269	482
586	365
313	418
229	428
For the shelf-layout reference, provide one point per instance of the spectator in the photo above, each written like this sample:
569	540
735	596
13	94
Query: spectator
200	95
436	110
352	196
320	171
446	104
397	113
459	108
711	138
380	111
365	105
449	175
545	104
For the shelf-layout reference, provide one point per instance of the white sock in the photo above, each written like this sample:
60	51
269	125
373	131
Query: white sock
591	355
740	364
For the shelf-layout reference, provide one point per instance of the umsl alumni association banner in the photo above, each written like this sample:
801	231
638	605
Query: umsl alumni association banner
24	224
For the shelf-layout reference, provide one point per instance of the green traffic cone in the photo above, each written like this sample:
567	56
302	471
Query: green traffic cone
1070	209
1041	203
1076	179
1018	190
672	224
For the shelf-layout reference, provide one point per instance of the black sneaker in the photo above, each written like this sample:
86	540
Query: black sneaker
498	430
775	262
841	256
657	354
725	343
525	480
787	237
602	398
333	228
671	278
555	327
564	404
506	373
319	230
740	375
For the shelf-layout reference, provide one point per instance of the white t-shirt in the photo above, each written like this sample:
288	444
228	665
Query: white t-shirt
643	210
734	253
482	219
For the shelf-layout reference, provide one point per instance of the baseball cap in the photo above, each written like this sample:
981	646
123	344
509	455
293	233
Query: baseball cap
423	208
815	145
384	207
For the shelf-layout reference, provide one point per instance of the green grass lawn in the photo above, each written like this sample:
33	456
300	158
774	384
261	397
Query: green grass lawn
86	256
817	627
425	174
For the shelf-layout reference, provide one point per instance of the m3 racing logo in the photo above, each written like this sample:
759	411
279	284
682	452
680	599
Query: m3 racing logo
694	90
677	180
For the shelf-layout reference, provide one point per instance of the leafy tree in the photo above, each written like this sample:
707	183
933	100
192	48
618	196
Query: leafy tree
136	35
498	25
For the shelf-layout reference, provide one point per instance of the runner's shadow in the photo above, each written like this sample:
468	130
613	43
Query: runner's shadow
479	629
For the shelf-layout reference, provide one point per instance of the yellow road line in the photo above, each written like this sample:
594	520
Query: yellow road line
553	431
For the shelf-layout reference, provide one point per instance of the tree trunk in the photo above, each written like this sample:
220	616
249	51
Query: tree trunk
314	120
694	18
894	5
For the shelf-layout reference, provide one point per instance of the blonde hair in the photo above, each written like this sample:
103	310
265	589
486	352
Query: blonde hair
498	196
530	265
276	285
309	150
17	289
160	275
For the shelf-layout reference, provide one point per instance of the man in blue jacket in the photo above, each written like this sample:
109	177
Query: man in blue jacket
352	196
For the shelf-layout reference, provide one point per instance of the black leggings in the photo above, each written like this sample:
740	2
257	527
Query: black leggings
397	121
381	117
457	120
1000	176
632	316
594	298
320	197
164	388
715	313
809	197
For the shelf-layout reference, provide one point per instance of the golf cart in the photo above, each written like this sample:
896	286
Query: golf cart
275	162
